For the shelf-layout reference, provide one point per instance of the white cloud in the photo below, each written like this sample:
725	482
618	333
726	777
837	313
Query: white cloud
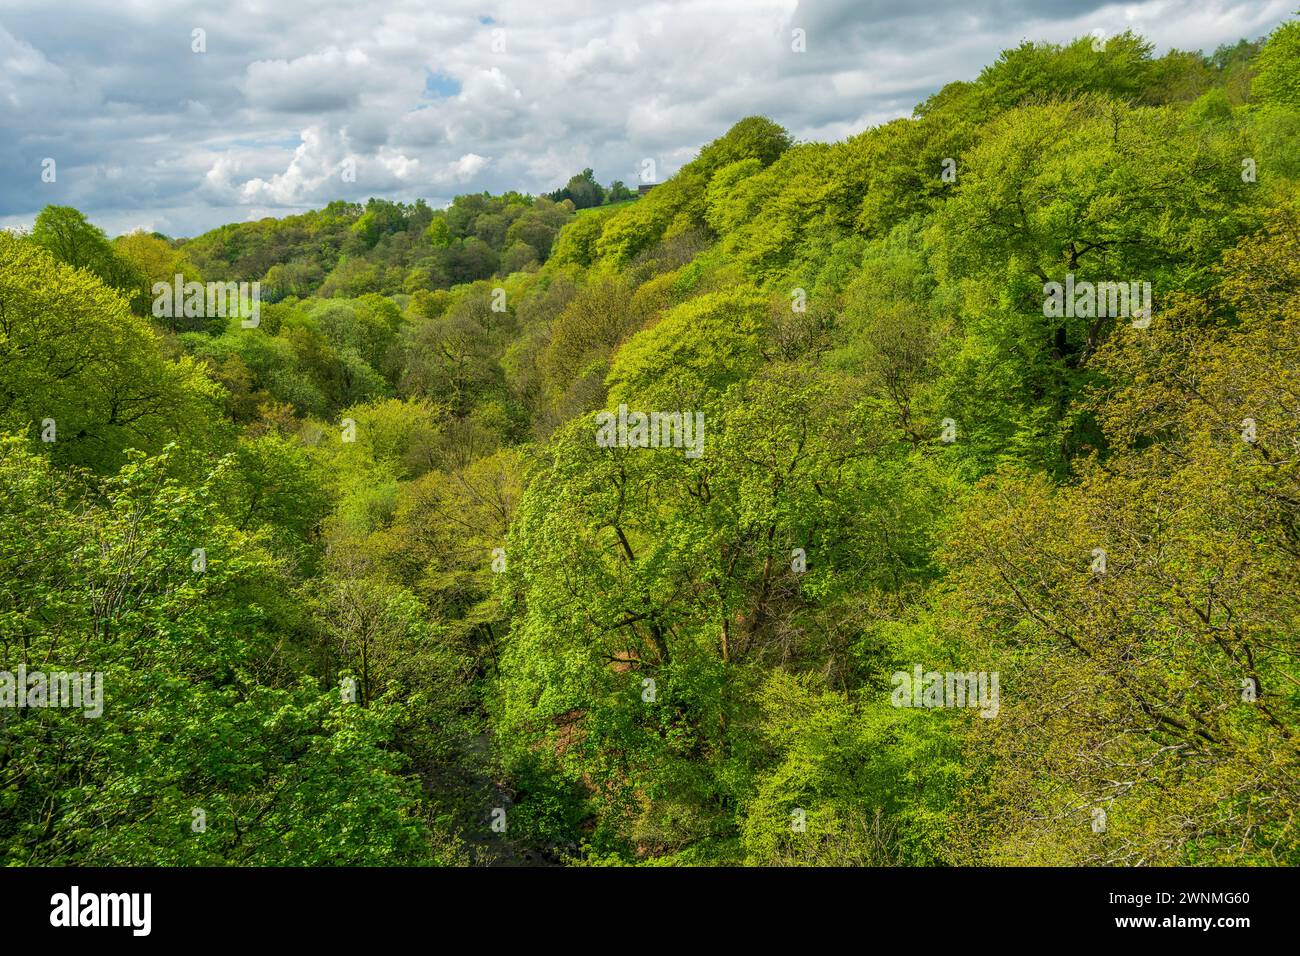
425	106
330	80
468	166
315	170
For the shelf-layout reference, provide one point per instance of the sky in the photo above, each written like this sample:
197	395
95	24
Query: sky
179	116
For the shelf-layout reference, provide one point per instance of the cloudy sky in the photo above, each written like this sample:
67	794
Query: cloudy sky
431	98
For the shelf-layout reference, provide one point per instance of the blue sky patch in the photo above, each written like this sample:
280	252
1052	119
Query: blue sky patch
440	84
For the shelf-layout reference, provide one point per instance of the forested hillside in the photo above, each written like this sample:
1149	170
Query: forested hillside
399	572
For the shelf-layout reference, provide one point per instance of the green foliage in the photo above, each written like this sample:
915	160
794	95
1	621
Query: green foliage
282	771
582	190
691	355
755	137
82	373
1277	80
73	240
684	651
